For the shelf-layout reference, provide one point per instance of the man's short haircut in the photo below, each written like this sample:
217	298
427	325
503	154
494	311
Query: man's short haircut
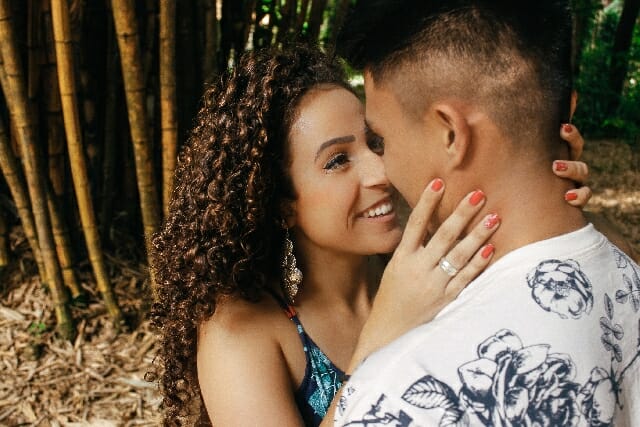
512	56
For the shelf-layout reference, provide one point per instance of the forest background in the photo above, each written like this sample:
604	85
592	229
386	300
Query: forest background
97	98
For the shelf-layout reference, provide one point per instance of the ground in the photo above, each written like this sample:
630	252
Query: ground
99	379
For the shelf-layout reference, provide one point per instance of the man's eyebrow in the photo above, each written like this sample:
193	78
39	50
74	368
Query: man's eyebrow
368	127
334	141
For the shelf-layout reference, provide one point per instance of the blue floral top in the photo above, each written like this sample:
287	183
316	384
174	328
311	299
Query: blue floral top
322	379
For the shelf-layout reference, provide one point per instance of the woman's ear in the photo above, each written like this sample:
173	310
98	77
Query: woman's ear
288	212
455	132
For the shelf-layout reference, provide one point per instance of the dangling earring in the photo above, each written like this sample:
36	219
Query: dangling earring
292	276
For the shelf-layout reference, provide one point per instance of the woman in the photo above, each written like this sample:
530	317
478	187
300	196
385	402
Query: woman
280	177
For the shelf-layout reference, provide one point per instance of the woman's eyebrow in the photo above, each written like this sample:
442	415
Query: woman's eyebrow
334	141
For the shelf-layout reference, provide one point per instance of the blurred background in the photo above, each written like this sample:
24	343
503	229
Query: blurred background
97	98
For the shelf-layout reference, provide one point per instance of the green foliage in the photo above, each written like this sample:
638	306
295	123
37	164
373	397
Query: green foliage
601	112
36	329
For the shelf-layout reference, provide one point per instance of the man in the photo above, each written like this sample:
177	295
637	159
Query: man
549	335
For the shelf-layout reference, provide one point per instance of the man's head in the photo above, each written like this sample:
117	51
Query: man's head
444	79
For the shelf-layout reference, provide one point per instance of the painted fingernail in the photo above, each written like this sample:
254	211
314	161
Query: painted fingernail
567	128
487	251
436	185
476	197
491	221
561	166
570	196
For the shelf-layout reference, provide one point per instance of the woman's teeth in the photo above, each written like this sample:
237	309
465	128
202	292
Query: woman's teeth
379	211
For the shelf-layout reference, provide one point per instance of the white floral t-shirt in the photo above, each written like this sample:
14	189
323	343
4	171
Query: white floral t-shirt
547	336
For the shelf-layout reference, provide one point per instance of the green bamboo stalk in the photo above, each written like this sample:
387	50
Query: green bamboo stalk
129	45
168	98
16	98
68	95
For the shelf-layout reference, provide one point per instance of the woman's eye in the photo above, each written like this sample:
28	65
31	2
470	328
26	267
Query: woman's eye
336	161
375	143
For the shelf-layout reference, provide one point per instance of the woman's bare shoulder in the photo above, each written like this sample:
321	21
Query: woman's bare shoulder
238	319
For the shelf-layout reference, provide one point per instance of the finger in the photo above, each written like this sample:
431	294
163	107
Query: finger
459	256
449	231
570	133
578	197
573	170
470	271
417	225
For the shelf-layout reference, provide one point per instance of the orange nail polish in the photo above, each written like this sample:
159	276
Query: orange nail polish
476	197
491	221
487	251
561	166
570	196
436	185
567	128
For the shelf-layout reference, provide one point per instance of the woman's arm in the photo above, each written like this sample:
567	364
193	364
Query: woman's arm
243	375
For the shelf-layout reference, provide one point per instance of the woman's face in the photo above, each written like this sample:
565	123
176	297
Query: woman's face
344	199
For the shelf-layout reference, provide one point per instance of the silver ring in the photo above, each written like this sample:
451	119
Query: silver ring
447	267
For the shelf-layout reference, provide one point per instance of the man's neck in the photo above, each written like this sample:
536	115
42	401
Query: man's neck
532	208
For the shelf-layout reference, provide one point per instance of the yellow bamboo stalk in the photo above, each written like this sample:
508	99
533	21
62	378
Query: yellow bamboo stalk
4	242
16	98
63	247
68	95
129	44
10	168
55	133
168	98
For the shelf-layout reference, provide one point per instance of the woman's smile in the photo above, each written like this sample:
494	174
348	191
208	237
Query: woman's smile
381	211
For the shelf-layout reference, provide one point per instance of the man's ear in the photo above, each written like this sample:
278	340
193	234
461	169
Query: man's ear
454	132
574	103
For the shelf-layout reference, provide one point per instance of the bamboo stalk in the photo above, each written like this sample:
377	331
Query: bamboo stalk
316	17
10	168
34	49
68	95
4	242
302	16
63	247
150	40
342	8
130	58
55	132
211	37
189	81
110	129
288	21
16	98
168	97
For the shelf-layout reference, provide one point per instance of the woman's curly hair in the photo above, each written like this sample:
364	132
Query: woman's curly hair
223	234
